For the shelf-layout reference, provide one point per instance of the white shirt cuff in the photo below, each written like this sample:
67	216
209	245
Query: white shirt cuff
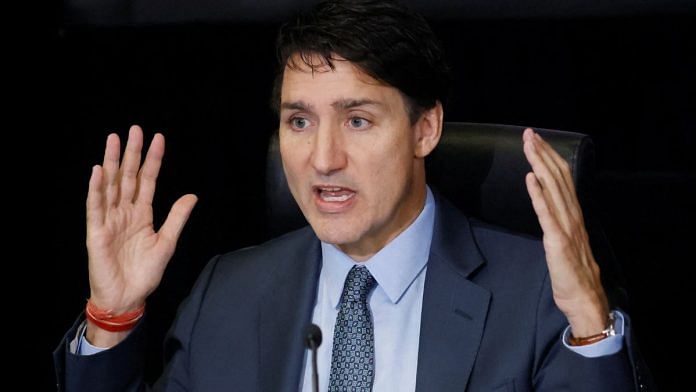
608	346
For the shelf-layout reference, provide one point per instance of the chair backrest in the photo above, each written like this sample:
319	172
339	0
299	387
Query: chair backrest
481	169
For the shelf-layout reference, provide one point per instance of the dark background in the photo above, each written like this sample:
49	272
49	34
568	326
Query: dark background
201	72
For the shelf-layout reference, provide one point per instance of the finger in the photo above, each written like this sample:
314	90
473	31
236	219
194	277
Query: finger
131	164
110	166
556	158
559	172
547	220
567	185
178	215
549	185
147	178
95	198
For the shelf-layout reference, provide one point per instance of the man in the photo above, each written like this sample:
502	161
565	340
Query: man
410	294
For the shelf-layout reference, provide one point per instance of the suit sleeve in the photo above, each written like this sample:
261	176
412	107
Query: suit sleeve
121	367
559	369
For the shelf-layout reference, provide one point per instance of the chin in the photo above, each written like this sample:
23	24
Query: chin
337	233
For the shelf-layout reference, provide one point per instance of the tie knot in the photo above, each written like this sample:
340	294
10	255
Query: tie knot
359	283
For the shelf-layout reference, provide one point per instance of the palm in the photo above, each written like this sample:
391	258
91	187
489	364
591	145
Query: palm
127	246
127	257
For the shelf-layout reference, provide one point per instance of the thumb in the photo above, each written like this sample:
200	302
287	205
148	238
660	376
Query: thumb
177	218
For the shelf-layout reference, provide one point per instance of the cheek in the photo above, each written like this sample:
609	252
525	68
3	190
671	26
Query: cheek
387	169
397	157
291	159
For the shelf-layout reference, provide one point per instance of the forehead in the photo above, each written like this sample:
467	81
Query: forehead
319	83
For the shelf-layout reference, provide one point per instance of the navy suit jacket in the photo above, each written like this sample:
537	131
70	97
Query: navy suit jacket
489	323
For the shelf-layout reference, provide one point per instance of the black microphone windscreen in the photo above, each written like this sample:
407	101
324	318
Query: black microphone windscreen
313	335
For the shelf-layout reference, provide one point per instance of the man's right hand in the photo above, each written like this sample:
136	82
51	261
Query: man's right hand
127	257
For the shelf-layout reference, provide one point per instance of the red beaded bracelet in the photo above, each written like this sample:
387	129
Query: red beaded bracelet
105	319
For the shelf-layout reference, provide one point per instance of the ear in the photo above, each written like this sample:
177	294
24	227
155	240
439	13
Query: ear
428	130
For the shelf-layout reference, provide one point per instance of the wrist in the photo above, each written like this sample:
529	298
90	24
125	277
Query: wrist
589	325
119	306
589	316
102	338
576	339
108	320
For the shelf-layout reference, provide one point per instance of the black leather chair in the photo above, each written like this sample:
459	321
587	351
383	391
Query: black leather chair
481	169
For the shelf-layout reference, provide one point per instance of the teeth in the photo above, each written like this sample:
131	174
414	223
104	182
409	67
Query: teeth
337	198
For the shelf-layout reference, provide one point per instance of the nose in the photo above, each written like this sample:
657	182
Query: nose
328	154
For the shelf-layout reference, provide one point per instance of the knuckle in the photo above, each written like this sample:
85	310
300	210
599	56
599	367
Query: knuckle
563	242
558	171
564	165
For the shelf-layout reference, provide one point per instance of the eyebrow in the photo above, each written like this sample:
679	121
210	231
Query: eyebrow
296	105
341	104
345	104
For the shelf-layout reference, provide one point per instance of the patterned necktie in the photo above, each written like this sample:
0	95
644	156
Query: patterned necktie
353	355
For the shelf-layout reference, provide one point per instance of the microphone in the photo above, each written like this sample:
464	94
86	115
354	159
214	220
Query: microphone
312	341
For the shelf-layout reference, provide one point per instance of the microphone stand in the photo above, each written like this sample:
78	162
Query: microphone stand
313	341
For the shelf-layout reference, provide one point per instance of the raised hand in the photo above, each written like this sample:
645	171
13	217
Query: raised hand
127	257
575	278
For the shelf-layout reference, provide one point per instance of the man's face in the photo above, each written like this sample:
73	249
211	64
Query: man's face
350	156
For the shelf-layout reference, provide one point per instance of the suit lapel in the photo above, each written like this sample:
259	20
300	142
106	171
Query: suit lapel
454	308
285	313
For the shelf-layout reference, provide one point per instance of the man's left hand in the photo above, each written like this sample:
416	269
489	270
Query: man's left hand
575	279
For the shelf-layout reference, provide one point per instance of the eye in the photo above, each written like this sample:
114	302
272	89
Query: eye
358	123
299	122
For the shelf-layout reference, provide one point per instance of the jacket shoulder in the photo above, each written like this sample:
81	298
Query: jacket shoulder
507	253
270	254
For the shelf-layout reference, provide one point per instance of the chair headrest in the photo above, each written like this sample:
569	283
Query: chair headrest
479	167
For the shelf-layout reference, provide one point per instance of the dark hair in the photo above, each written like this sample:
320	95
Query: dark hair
384	39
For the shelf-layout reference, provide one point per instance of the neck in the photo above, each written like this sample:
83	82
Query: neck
403	218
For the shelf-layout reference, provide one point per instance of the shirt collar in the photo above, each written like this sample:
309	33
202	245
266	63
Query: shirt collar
395	266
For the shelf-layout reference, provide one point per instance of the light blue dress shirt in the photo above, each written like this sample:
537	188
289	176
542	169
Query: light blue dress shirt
396	302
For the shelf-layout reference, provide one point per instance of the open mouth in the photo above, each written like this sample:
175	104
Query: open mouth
332	198
334	194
